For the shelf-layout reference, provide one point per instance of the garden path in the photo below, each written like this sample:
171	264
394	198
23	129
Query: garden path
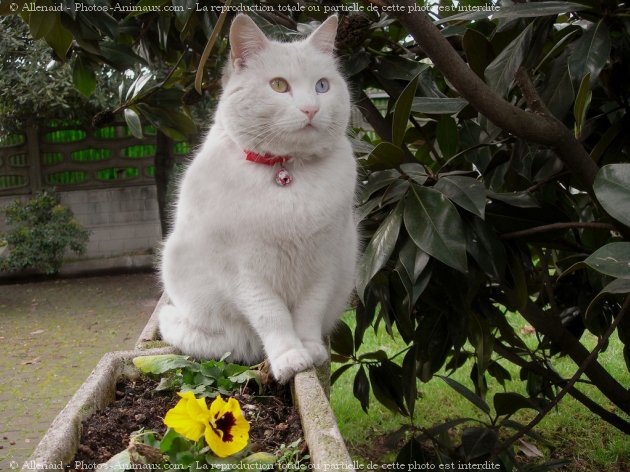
52	334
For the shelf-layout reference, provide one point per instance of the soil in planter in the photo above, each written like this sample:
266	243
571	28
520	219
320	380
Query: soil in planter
274	421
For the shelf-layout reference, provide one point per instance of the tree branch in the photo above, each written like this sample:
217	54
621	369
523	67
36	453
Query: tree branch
552	328
585	365
540	129
555	227
611	418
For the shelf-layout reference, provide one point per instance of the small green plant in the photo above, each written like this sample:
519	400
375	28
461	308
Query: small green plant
41	232
201	437
206	378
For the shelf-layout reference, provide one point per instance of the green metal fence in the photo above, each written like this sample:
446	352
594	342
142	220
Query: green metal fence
68	156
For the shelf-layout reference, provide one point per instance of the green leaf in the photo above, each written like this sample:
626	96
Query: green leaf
590	53
133	121
337	373
342	340
41	23
60	39
447	136
516	199
386	382
467	394
119	462
379	249
260	458
468	193
559	93
435	226
402	108
377	181
438	106
501	71
384	156
616	287
482	339
518	10
510	402
582	102
355	63
161	363
361	389
478	442
483	244
612	259
83	76
399	68
612	189
478	49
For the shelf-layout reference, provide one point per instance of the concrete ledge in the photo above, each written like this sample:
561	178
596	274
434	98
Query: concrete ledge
150	336
61	441
321	432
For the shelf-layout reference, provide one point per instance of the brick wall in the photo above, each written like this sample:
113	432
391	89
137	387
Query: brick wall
122	220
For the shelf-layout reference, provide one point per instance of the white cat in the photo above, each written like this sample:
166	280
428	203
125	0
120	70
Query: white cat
253	267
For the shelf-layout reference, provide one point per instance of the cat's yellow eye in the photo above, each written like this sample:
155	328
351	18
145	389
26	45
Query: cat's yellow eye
279	85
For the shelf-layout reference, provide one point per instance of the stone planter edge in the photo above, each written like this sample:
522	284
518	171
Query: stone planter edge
310	395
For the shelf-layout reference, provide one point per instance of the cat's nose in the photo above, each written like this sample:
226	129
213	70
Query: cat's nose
310	112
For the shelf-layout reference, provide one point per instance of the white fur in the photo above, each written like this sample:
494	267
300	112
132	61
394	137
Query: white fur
252	268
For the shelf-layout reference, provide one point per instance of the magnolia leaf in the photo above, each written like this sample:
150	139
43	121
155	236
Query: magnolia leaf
518	10
467	394
402	108
435	226
508	403
438	106
83	76
501	71
612	189
616	287
447	136
133	121
468	193
590	53
361	388
582	102
342	341
612	259
379	249
384	156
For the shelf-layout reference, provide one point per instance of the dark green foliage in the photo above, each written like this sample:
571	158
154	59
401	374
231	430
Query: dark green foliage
42	230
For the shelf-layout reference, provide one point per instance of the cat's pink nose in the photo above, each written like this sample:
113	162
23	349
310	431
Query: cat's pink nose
310	112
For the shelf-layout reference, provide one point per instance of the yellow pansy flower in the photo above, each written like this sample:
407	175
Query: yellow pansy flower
223	426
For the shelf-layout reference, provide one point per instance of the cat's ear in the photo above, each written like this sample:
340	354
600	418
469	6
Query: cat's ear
323	38
246	39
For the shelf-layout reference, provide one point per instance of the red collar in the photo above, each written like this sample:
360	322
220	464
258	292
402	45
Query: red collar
266	159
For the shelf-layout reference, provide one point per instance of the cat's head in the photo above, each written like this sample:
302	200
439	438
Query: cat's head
283	98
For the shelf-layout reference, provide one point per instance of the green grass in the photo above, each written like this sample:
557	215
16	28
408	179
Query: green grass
575	433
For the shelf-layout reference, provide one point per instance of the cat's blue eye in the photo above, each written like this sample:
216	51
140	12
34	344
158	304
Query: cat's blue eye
322	86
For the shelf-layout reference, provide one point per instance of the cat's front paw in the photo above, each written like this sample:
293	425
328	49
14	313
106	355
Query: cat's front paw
286	365
317	350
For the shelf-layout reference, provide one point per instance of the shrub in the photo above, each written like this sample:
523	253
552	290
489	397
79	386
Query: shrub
41	232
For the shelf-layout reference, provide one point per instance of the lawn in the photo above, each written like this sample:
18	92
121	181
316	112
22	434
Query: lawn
574	433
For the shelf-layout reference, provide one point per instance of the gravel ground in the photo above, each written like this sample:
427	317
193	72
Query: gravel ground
52	334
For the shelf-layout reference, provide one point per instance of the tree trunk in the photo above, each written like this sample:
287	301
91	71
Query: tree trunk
164	164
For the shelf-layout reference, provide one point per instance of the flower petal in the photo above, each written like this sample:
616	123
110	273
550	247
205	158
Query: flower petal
228	431
188	417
